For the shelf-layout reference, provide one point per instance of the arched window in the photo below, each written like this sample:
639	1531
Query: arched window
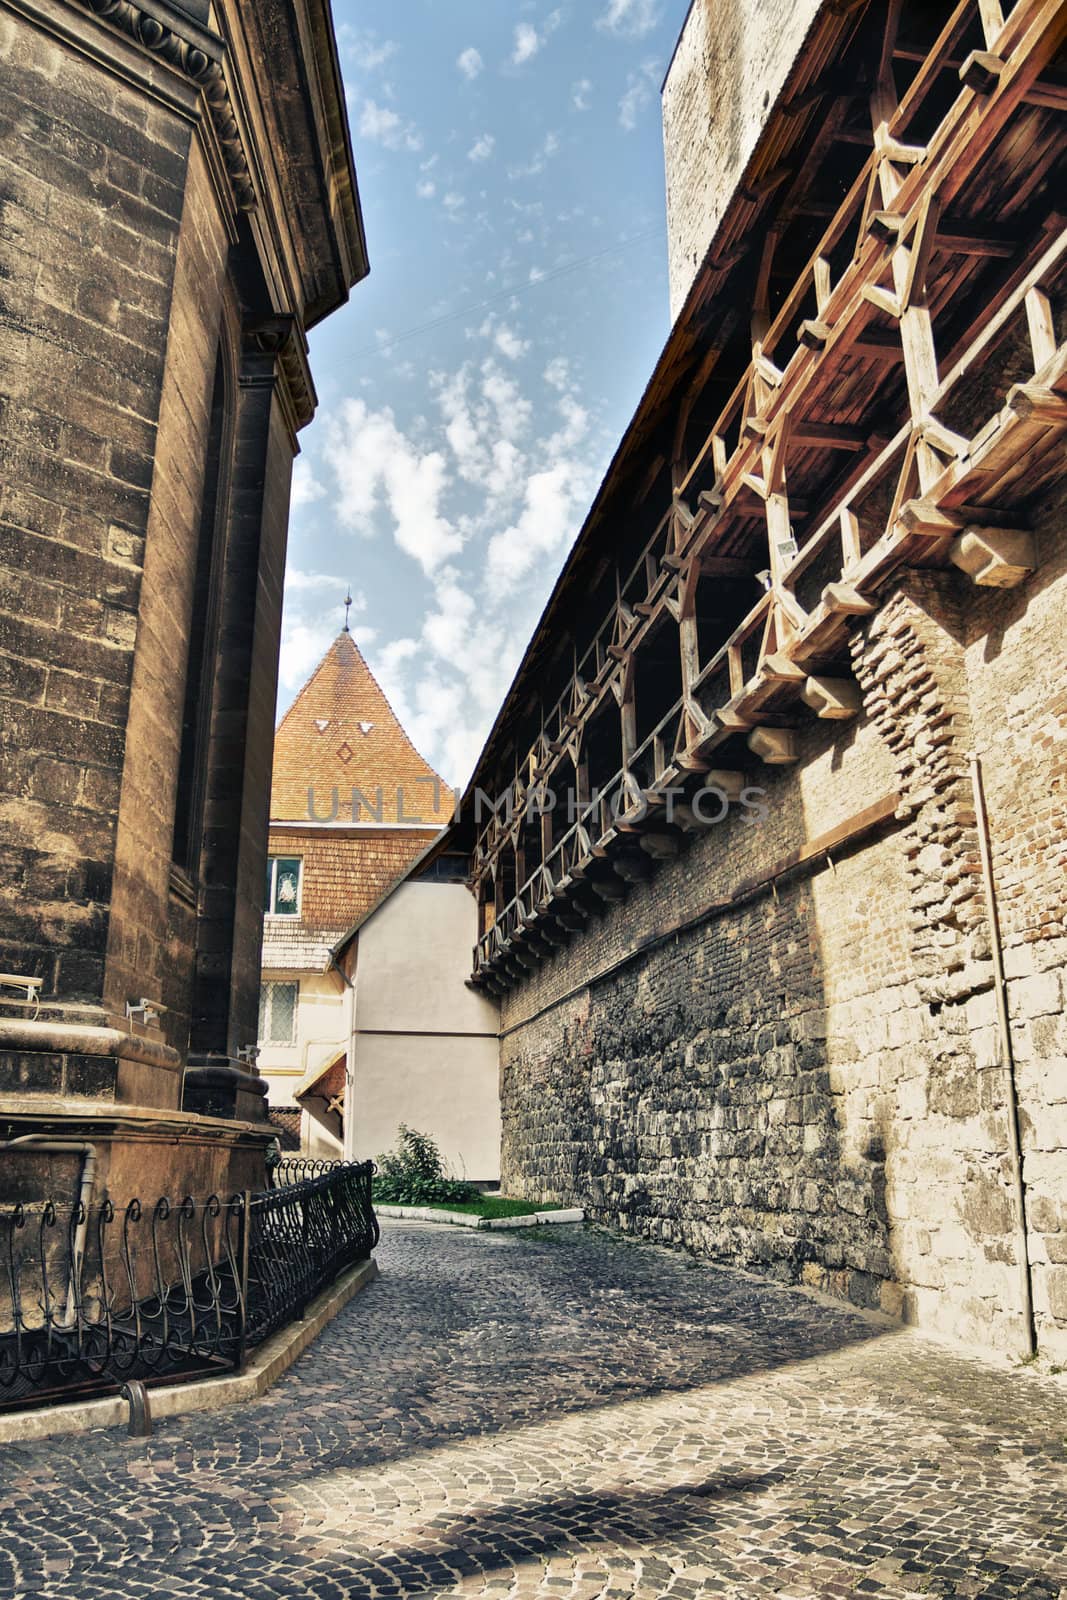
203	627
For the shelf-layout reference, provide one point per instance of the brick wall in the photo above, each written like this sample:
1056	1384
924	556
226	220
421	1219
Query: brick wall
810	1082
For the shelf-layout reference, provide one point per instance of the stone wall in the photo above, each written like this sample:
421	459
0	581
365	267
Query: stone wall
729	67
91	192
810	1081
144	956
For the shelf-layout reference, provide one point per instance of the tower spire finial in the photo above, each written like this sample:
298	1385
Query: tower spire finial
348	606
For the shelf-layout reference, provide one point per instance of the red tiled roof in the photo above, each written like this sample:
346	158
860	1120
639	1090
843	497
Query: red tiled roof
341	733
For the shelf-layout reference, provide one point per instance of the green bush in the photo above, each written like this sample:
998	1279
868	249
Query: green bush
413	1174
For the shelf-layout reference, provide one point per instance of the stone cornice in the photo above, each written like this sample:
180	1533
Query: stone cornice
277	338
141	24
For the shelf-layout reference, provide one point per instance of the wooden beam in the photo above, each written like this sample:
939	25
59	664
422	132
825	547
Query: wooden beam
775	746
995	558
829	436
1051	96
874	345
981	71
836	699
965	239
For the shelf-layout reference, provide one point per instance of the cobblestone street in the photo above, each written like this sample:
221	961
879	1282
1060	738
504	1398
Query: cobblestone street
571	1415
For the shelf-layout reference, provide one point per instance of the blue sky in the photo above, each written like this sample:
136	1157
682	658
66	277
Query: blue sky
473	390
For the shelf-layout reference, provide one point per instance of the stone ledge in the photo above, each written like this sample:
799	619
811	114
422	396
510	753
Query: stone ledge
273	1358
463	1219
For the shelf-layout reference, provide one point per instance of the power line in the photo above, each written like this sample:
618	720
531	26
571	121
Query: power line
381	346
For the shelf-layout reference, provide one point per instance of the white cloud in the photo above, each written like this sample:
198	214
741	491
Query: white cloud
372	53
382	126
632	18
513	411
527	44
637	96
453	202
557	374
364	49
575	420
426	189
504	338
580	93
299	582
548	520
485	494
379	468
470	63
485	418
306	487
482	149
303	646
548	148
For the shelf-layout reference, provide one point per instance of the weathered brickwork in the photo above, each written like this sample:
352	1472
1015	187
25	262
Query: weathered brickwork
811	1081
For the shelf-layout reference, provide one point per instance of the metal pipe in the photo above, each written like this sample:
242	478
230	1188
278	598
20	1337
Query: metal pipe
348	1120
41	1141
1007	1062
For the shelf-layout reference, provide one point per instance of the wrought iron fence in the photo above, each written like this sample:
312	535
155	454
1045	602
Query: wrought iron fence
93	1298
297	1169
301	1235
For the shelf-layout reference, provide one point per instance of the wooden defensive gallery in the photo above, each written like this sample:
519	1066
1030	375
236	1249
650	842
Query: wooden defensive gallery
824	1035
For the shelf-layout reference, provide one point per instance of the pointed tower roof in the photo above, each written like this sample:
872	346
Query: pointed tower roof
341	733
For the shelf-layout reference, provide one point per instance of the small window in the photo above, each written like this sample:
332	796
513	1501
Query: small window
283	886
277	1013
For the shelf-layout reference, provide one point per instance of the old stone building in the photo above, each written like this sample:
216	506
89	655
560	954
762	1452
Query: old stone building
179	207
773	896
352	806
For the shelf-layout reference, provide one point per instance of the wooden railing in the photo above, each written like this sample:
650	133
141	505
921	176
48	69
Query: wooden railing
867	280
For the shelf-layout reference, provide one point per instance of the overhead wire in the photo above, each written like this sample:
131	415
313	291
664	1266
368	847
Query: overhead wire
380	346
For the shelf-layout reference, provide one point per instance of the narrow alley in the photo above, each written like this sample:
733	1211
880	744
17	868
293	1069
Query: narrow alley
561	1412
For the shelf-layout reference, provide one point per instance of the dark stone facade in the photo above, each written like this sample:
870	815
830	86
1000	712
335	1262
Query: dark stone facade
153	319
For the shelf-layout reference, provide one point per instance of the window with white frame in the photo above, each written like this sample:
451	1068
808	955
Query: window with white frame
277	1013
283	886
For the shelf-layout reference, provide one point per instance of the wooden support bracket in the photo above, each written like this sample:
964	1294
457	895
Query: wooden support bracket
844	601
730	783
775	746
814	335
925	518
1032	403
886	225
981	71
995	558
835	699
660	846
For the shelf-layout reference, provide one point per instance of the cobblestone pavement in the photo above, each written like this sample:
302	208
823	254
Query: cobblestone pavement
560	1413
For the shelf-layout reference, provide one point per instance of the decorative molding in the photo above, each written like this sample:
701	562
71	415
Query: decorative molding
276	337
196	65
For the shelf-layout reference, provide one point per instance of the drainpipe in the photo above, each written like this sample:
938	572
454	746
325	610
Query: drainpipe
1007	1062
41	1141
348	1129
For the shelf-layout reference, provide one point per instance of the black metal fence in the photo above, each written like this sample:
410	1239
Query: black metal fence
90	1299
